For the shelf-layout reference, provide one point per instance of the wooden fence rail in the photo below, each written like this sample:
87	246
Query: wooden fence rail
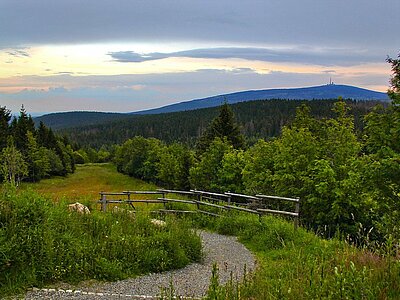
225	201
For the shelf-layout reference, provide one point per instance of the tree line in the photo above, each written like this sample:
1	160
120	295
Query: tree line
348	180
29	153
257	119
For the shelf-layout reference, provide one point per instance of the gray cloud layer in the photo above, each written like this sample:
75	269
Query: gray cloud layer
334	23
324	57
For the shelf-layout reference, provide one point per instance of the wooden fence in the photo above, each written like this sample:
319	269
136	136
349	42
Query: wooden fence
203	200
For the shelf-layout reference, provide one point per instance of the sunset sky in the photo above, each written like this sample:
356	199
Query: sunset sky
63	55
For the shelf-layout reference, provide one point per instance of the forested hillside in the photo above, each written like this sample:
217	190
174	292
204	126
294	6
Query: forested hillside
77	118
257	119
323	92
29	153
348	181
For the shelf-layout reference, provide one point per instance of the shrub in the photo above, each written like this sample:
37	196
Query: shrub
42	242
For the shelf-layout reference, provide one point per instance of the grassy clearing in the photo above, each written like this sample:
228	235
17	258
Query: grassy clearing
300	265
41	242
86	183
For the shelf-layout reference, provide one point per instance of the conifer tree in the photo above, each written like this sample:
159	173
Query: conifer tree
5	117
37	159
223	126
20	127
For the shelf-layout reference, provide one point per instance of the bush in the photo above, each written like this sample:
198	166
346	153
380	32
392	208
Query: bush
41	242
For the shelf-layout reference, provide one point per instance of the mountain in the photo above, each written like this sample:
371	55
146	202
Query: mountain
62	120
65	120
329	91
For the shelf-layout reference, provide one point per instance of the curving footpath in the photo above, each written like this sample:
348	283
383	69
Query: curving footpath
192	281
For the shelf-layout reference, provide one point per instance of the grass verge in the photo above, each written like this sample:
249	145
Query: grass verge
300	265
42	242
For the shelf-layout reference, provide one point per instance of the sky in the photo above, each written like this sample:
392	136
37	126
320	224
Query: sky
130	55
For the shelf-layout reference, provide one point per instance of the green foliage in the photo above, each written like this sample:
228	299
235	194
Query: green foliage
42	153
19	128
229	175
261	119
222	127
41	242
394	91
173	167
382	135
204	174
56	165
299	265
139	157
13	165
259	168
5	117
321	161
36	158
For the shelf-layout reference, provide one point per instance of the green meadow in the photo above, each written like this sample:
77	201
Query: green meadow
86	184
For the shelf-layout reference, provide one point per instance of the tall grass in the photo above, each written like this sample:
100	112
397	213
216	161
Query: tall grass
42	242
300	265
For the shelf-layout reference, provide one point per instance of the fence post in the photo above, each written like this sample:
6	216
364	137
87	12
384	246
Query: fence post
103	202
198	200
297	211
165	203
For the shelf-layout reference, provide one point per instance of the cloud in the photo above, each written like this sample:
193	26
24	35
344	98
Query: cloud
126	93
18	53
308	55
359	23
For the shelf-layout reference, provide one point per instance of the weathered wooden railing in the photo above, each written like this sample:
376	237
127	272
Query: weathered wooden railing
295	214
125	198
202	199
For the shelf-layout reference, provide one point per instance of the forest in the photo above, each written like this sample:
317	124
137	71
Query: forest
260	119
30	153
346	177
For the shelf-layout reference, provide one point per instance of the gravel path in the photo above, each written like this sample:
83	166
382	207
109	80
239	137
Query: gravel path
192	281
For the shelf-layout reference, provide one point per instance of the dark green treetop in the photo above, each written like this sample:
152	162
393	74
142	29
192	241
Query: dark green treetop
394	91
223	126
5	117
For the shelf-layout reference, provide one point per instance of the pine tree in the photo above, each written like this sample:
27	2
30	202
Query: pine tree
223	126
5	117
20	127
36	157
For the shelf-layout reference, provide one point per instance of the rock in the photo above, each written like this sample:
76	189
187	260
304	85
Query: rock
158	223
79	207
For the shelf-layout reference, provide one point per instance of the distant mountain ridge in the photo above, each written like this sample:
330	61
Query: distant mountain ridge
77	118
329	91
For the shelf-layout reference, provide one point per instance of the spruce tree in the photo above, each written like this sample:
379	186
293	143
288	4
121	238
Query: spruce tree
223	126
5	117
20	127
